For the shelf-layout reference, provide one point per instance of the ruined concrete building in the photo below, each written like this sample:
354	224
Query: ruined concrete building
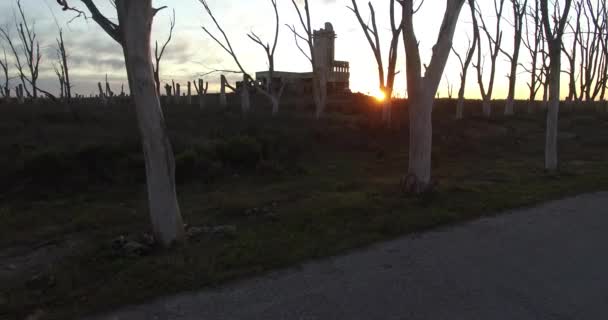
297	83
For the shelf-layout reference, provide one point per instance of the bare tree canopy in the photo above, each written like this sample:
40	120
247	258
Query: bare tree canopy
133	33
422	89
553	36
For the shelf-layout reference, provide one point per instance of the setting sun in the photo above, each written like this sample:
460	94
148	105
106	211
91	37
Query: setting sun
380	96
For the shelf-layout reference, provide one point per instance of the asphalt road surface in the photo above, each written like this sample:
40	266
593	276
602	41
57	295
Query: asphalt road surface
547	262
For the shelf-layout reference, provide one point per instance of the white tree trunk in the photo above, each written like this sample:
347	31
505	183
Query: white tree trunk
460	105
421	91
223	100
245	100
135	18
487	107
552	114
387	106
421	140
275	105
509	106
189	99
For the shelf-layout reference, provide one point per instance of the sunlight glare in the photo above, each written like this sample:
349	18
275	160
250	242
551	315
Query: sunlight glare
380	96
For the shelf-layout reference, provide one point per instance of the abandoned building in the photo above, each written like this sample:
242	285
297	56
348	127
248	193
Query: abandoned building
297	83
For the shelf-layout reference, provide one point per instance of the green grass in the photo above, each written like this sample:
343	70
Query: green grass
333	186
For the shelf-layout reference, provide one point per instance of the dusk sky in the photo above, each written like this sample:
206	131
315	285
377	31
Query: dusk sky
92	53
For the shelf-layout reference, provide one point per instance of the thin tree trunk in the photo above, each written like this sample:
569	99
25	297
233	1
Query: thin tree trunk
223	100
245	100
135	19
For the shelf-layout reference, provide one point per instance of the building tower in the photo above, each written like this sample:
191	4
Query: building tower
324	47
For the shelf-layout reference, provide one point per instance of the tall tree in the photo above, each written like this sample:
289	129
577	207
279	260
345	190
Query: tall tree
422	88
227	46
319	71
553	35
64	68
571	54
373	38
519	11
158	55
534	45
133	32
273	90
464	64
494	44
5	90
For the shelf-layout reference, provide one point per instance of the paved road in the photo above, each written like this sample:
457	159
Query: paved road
548	262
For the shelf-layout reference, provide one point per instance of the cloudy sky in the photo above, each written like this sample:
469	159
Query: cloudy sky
92	54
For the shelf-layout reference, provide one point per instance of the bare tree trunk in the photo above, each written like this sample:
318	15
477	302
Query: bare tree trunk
223	100
6	91
135	19
178	94
421	140
201	89
552	115
494	44
102	95
464	64
189	98
244	91
421	90
554	41
319	85
20	94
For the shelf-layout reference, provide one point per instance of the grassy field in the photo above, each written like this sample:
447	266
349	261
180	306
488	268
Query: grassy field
285	190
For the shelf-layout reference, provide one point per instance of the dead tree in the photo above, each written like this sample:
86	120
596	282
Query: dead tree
6	91
158	55
605	55
272	91
30	51
62	71
227	46
201	90
133	32
593	63
534	45
66	70
421	90
189	96
553	35
20	94
58	68
519	11
109	93
29	45
371	34
178	93
319	70
102	95
494	44
464	64
223	85
571	55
